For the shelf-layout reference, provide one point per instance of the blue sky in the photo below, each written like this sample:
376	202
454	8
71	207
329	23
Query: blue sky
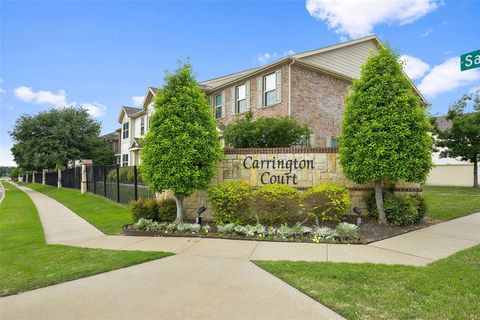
103	54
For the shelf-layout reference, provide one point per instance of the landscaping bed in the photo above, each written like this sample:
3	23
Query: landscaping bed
369	231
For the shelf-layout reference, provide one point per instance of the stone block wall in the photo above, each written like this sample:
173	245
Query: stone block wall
309	166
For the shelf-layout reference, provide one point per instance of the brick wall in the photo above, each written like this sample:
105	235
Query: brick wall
318	101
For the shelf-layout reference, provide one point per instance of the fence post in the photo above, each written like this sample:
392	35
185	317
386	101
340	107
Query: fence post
104	182
26	177
135	181
118	183
59	178
33	176
94	180
84	181
44	176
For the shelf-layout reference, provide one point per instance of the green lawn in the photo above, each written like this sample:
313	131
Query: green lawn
451	202
446	289
27	262
106	215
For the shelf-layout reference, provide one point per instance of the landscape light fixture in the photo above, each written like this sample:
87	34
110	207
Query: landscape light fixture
358	211
200	210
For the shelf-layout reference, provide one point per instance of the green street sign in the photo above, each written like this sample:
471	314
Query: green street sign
470	60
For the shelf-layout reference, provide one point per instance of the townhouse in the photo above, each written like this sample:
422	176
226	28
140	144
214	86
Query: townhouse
309	87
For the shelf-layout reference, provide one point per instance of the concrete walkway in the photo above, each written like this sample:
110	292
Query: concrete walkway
209	278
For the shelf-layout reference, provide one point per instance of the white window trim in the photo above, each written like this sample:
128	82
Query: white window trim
264	90
127	131
142	126
220	106
237	100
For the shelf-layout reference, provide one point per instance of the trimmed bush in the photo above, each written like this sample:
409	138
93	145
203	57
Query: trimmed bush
167	210
231	203
401	210
276	204
153	209
266	132
327	202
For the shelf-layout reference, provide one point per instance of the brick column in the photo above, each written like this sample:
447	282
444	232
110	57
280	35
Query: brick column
26	177
44	173
33	176
84	183
59	180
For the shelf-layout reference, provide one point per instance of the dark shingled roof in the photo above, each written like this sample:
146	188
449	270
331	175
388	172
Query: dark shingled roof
112	135
131	110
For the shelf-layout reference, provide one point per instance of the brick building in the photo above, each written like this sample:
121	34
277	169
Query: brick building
308	86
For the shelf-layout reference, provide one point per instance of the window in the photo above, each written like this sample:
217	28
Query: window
218	106
125	130
333	142
240	98
269	89
124	160
142	126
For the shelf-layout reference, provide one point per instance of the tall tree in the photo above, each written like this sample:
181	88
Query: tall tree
463	138
385	131
182	147
56	137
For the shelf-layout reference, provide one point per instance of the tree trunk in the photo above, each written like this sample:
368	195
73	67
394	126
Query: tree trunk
475	174
382	218
179	202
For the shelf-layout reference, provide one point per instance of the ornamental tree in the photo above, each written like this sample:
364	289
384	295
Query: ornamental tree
53	138
182	147
385	131
463	138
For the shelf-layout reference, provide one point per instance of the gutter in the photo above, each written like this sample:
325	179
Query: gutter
290	87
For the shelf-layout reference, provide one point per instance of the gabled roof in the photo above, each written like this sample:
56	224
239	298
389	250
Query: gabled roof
343	60
136	144
130	112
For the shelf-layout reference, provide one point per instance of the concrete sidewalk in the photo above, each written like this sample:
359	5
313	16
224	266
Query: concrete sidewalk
62	226
209	278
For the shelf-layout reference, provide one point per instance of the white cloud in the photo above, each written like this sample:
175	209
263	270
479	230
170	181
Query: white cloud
95	109
357	18
26	94
446	77
57	100
266	57
269	56
414	67
426	33
137	101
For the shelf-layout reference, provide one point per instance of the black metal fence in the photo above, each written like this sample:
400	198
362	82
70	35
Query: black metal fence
51	178
30	178
72	177
120	184
38	177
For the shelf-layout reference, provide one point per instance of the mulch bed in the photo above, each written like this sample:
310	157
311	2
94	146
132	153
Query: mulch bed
370	231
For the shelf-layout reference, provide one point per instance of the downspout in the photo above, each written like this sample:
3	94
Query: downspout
290	87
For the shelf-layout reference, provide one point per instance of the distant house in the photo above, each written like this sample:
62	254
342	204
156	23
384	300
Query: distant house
309	87
449	171
113	142
134	124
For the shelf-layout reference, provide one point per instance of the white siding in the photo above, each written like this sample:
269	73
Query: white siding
347	60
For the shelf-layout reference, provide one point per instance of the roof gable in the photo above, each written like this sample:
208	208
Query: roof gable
346	59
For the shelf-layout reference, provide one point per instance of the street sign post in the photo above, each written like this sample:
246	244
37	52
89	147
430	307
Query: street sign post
470	60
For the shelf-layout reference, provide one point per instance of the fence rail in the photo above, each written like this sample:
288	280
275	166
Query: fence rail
120	184
51	178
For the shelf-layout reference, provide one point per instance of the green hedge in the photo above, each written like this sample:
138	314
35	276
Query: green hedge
153	209
276	204
327	202
266	132
401	210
